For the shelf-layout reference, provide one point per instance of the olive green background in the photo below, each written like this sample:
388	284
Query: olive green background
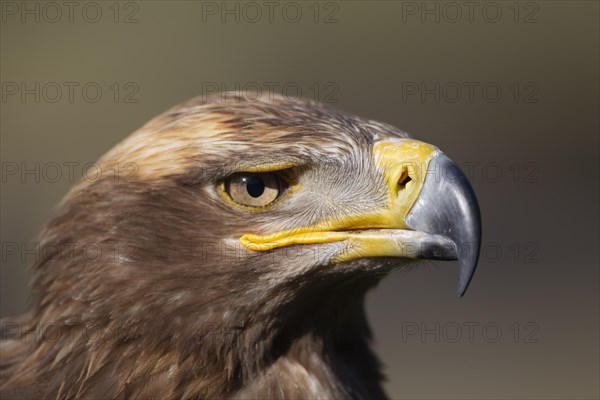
534	158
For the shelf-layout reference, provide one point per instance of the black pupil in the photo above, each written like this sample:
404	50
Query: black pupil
255	186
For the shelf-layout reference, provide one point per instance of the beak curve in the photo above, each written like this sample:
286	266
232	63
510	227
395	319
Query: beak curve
447	206
431	213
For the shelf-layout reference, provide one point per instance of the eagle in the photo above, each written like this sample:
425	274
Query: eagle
224	250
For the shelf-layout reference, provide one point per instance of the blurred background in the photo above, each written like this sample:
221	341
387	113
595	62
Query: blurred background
509	90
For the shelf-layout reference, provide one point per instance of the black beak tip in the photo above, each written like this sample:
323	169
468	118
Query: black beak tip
464	279
468	253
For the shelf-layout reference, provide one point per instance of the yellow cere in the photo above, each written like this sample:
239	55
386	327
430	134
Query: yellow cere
396	159
400	157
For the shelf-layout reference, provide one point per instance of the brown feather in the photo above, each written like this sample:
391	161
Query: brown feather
167	307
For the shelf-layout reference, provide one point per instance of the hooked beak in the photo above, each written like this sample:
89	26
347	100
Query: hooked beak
447	206
431	213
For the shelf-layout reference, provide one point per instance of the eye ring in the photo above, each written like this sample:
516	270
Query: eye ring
253	189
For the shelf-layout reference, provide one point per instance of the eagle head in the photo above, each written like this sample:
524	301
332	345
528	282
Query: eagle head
233	243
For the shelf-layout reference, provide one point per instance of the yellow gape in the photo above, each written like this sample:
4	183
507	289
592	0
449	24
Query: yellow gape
404	164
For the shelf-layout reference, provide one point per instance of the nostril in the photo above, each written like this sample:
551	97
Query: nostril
404	179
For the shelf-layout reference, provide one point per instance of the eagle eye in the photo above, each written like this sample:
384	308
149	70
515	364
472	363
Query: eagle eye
253	189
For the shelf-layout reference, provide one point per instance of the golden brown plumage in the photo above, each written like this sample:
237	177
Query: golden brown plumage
172	306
